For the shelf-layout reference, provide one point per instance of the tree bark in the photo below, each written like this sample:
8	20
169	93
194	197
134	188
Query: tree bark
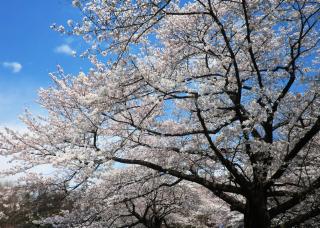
256	214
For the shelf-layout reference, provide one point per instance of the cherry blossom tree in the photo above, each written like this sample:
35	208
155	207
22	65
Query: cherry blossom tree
224	94
138	197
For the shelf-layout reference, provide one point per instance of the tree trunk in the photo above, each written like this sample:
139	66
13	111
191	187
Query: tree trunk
154	223
157	223
256	214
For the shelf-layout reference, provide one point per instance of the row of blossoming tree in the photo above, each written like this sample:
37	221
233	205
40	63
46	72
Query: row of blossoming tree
207	106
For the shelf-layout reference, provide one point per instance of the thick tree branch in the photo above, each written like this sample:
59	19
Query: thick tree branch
217	189
296	199
295	150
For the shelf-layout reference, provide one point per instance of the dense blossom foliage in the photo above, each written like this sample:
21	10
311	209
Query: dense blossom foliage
223	94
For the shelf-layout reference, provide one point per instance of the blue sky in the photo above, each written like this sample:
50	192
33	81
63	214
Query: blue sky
30	50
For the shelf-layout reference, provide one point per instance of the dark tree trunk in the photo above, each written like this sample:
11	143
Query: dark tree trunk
256	214
155	223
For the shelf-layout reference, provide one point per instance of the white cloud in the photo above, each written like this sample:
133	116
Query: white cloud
64	49
15	67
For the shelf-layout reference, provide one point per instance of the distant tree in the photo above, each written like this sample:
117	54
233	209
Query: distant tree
220	93
21	204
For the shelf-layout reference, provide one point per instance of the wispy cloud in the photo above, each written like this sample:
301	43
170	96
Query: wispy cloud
69	40
64	49
15	67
